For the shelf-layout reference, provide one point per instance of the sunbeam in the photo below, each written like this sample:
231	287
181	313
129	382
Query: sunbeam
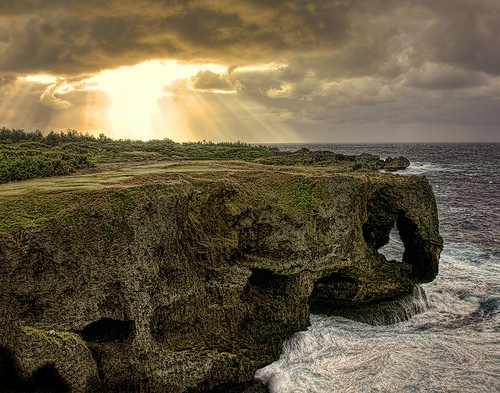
199	115
151	100
133	92
165	99
19	103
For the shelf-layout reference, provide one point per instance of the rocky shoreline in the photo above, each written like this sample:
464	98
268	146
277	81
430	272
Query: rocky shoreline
189	277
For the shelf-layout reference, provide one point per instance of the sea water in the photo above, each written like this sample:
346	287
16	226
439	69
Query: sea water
453	344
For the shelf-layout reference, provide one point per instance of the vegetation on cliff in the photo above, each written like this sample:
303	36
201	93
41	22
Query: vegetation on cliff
199	269
28	155
167	267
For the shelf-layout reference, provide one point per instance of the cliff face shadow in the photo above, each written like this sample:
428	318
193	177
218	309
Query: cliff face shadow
46	379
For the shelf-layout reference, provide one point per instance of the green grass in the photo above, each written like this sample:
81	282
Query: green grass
36	202
32	209
60	171
31	155
53	337
25	155
301	191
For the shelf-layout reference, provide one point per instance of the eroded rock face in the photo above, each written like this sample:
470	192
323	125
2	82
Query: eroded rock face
193	281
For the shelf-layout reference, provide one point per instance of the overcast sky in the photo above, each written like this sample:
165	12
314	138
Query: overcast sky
258	70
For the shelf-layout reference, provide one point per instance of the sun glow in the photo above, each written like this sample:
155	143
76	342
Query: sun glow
134	93
46	79
221	117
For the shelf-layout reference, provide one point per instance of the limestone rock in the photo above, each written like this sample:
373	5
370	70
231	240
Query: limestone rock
396	163
190	279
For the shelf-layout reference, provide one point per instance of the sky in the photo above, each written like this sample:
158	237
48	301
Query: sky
334	71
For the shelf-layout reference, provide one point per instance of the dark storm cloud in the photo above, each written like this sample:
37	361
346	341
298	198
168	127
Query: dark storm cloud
463	33
71	37
444	77
340	37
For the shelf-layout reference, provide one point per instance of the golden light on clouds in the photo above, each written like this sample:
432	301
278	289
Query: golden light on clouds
151	100
46	79
220	117
330	71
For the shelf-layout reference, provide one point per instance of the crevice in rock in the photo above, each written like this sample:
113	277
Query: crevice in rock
382	215
108	330
275	310
47	379
332	292
9	375
386	312
244	387
178	325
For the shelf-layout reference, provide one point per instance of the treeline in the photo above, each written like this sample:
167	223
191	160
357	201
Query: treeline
26	155
8	136
12	136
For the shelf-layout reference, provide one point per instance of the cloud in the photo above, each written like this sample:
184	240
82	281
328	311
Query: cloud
75	37
336	38
307	62
437	77
6	80
463	33
313	101
208	80
50	100
44	104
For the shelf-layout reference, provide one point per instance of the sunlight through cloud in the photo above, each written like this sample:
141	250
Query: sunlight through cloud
151	100
134	93
40	79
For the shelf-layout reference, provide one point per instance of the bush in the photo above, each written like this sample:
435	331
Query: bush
23	163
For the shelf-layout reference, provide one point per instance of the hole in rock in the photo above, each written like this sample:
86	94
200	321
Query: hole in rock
266	281
394	249
108	330
383	212
416	252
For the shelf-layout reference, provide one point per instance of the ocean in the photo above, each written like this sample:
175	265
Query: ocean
453	345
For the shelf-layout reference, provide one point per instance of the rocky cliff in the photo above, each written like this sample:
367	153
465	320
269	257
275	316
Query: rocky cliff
183	277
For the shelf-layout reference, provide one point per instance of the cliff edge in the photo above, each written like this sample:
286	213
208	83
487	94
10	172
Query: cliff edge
181	277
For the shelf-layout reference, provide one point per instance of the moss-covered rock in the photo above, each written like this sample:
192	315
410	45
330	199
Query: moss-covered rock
188	277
